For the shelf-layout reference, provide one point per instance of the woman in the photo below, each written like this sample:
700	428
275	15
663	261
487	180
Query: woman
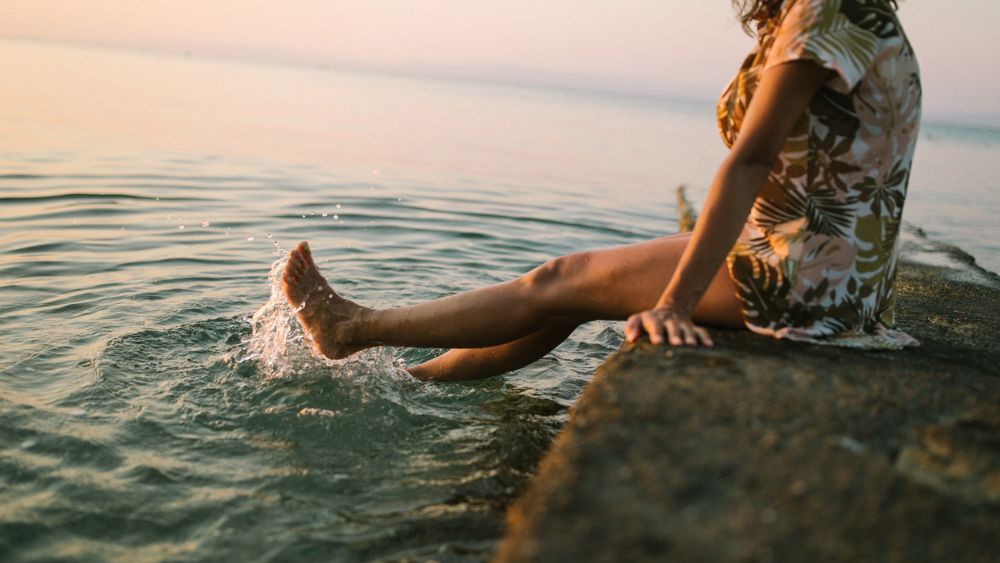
821	122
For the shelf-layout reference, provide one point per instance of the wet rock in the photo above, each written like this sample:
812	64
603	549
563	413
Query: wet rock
761	450
960	458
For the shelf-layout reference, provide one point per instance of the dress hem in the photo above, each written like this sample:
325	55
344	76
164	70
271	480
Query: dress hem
882	338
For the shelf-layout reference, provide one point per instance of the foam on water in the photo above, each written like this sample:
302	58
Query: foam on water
916	246
280	347
274	327
158	398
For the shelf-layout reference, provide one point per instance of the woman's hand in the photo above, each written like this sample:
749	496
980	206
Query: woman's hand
666	323
780	100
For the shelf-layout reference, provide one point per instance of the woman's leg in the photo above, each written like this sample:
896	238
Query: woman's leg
460	364
603	284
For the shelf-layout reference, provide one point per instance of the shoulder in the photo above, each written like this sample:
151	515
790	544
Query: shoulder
842	35
876	17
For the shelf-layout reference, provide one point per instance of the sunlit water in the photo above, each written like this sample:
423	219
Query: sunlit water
144	200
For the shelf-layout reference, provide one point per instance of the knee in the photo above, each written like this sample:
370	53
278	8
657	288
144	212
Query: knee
557	273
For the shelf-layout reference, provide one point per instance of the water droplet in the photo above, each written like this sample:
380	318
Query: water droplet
312	411
335	217
338	206
268	235
181	227
205	223
303	215
325	214
250	237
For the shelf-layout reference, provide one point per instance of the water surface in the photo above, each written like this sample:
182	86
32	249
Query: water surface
143	201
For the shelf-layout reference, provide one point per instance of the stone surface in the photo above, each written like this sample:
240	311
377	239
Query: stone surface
760	450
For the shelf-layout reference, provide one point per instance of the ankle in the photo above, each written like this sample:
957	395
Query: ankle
419	372
363	326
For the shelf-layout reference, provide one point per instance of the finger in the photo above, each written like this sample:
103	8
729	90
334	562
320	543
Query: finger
689	335
706	338
673	332
633	328
654	328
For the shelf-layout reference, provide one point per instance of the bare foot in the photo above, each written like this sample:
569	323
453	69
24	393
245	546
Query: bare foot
331	320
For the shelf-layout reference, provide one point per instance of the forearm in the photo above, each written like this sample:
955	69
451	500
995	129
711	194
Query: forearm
730	199
780	100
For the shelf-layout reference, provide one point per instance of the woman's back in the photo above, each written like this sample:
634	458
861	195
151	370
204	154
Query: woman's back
817	258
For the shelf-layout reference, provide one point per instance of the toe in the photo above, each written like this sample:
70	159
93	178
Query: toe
297	265
303	249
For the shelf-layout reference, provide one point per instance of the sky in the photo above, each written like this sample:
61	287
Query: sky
684	48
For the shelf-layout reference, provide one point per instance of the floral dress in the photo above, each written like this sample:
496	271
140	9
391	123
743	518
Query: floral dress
817	258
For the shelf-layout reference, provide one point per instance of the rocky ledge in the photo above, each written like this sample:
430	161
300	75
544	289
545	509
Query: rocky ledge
760	450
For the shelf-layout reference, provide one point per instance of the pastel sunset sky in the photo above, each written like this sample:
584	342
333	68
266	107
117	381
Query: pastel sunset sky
684	48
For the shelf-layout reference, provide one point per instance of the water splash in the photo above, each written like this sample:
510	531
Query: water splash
274	326
282	348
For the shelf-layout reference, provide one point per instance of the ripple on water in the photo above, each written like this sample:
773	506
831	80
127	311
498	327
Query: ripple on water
103	197
227	437
148	416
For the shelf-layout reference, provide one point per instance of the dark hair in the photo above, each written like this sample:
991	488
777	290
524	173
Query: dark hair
757	11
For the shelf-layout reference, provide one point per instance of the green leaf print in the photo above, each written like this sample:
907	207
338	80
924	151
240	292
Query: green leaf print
764	295
820	262
837	112
824	214
876	238
885	198
876	16
833	37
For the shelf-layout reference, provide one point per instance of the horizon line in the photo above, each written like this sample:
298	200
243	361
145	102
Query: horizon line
541	80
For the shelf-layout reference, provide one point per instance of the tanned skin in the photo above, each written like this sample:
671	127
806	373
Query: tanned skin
666	288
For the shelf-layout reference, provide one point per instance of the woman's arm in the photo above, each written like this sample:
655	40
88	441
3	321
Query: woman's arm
783	94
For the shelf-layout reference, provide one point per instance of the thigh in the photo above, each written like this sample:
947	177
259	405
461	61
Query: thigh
617	282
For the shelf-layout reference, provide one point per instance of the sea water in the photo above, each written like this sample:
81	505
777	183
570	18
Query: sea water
158	402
